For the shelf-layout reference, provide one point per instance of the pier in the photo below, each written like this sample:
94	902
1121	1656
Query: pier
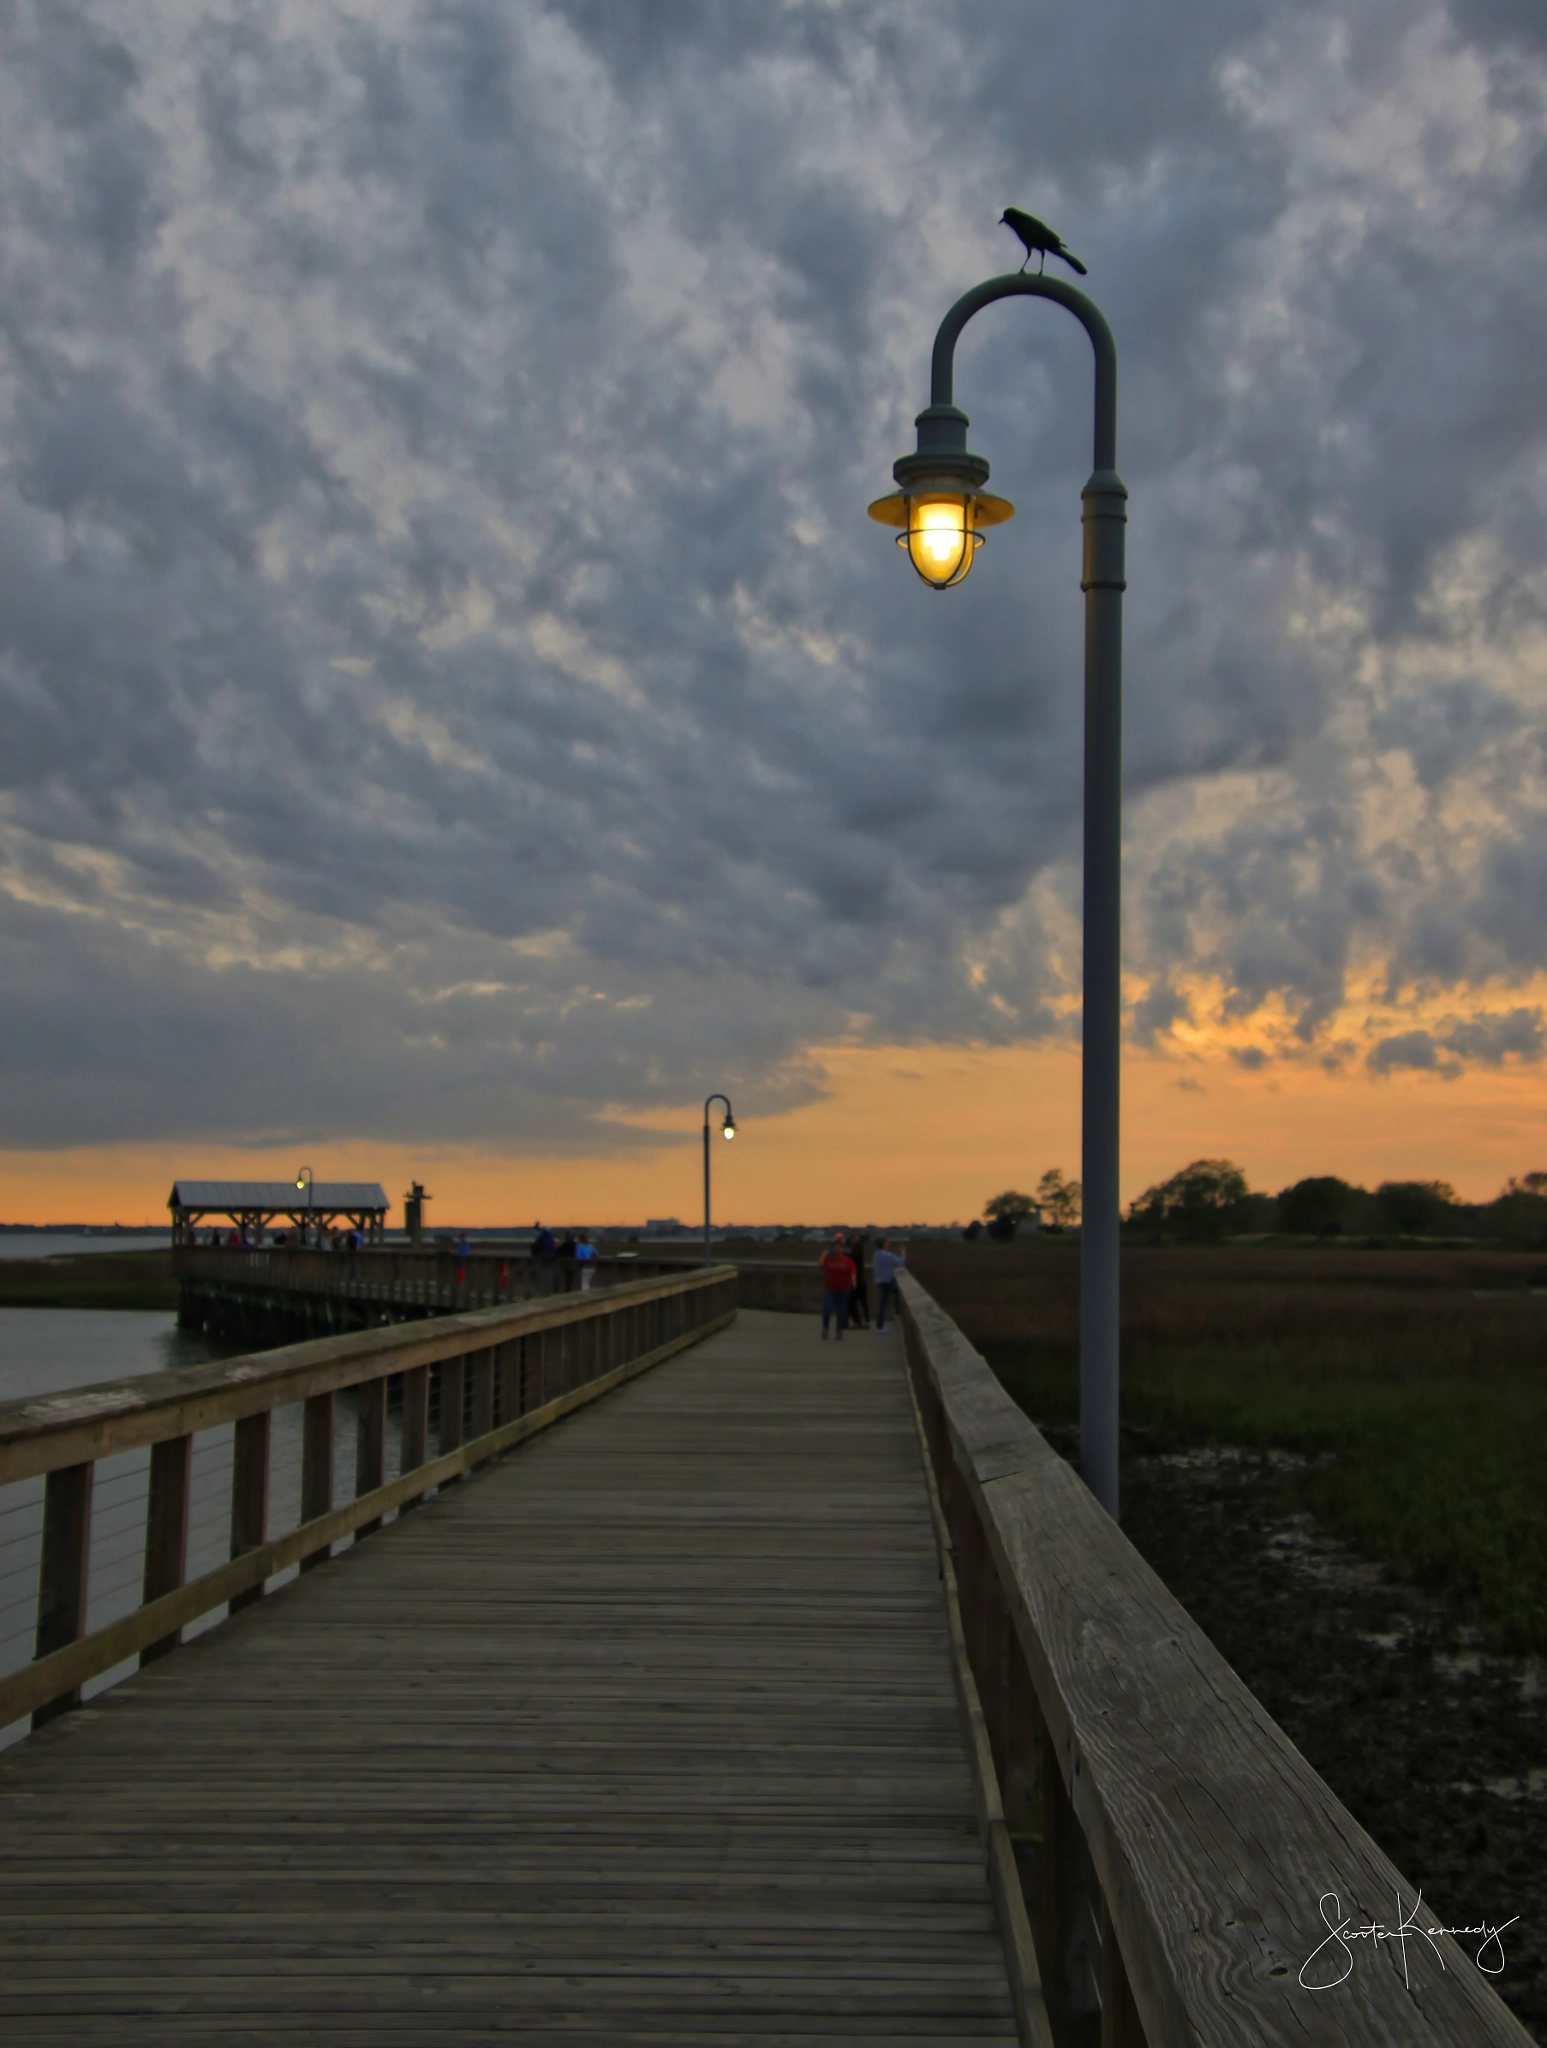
665	1674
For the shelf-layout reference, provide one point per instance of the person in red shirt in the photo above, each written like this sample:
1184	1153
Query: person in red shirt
837	1285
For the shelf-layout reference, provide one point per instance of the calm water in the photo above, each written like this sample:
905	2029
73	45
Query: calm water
49	1244
43	1350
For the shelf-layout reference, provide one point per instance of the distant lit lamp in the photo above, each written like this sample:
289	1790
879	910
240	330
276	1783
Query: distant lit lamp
727	1130
303	1181
941	508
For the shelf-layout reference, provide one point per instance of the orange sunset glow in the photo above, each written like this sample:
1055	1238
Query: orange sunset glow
903	1134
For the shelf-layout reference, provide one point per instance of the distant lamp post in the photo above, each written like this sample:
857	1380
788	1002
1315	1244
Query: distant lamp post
941	510
303	1181
727	1130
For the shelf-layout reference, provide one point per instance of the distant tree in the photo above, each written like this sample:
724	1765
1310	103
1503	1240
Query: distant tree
1007	1212
1416	1208
1519	1216
1319	1207
974	1230
1058	1199
1199	1204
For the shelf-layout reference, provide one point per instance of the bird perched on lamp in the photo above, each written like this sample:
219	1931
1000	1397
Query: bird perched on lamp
1039	239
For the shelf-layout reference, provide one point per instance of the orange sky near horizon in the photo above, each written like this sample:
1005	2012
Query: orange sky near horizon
904	1134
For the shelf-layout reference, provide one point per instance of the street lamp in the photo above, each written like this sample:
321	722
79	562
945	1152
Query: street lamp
941	508
727	1130
303	1179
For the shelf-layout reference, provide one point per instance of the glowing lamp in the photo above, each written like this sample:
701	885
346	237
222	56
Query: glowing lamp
728	1128
941	507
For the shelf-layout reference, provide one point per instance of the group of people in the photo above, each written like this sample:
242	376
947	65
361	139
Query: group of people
239	1238
575	1250
846	1287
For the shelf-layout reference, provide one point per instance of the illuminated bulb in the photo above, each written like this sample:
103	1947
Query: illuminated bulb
940	539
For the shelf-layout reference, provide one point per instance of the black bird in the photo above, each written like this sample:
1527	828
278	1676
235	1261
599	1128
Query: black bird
1039	239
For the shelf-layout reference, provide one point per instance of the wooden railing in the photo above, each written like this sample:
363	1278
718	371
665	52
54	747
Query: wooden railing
437	1279
432	1278
1178	1856
493	1376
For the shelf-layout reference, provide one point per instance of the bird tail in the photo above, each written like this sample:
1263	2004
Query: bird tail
1074	263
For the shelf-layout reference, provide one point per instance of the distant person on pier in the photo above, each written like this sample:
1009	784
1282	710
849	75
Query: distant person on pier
462	1260
543	1250
566	1258
585	1255
888	1264
837	1285
859	1300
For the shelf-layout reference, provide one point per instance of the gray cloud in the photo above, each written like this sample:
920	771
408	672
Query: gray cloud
448	685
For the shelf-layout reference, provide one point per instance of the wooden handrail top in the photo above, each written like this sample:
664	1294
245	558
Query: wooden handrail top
375	1255
1213	1839
44	1432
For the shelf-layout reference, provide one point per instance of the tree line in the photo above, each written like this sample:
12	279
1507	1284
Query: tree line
1210	1200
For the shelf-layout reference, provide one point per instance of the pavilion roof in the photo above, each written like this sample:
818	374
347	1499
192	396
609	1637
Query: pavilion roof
230	1197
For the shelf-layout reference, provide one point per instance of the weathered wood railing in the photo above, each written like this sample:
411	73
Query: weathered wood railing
436	1280
494	1376
1175	1849
432	1278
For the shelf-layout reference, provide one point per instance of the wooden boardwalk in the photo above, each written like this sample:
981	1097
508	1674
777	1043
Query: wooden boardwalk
647	1734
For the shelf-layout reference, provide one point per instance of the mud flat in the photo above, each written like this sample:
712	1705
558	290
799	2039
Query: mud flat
1436	1744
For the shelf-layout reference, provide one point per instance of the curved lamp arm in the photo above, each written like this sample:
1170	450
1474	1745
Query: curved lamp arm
1086	311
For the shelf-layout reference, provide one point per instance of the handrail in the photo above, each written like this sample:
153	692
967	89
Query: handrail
504	1373
404	1280
1179	1846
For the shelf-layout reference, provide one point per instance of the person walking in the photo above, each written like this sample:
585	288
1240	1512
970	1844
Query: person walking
585	1254
887	1263
837	1285
544	1246
859	1300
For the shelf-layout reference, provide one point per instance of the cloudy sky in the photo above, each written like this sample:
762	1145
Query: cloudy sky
454	704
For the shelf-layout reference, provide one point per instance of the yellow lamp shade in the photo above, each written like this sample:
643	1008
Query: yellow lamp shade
941	529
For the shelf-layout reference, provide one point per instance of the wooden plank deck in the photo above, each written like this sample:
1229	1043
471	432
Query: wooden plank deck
646	1735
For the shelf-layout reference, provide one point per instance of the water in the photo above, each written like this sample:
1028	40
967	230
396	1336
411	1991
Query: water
51	1244
45	1350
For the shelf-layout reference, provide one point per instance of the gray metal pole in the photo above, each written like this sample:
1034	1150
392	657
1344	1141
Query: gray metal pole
1103	581
1105	518
730	1118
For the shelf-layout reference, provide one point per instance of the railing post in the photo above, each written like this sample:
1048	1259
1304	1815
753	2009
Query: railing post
1121	2026
250	1493
166	1530
1067	1928
62	1573
483	1392
370	1444
452	1381
416	1423
994	1677
316	1467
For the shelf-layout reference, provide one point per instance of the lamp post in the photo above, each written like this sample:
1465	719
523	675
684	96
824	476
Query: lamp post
942	509
727	1130
303	1179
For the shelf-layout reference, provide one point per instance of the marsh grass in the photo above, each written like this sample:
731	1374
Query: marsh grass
1414	1382
100	1280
